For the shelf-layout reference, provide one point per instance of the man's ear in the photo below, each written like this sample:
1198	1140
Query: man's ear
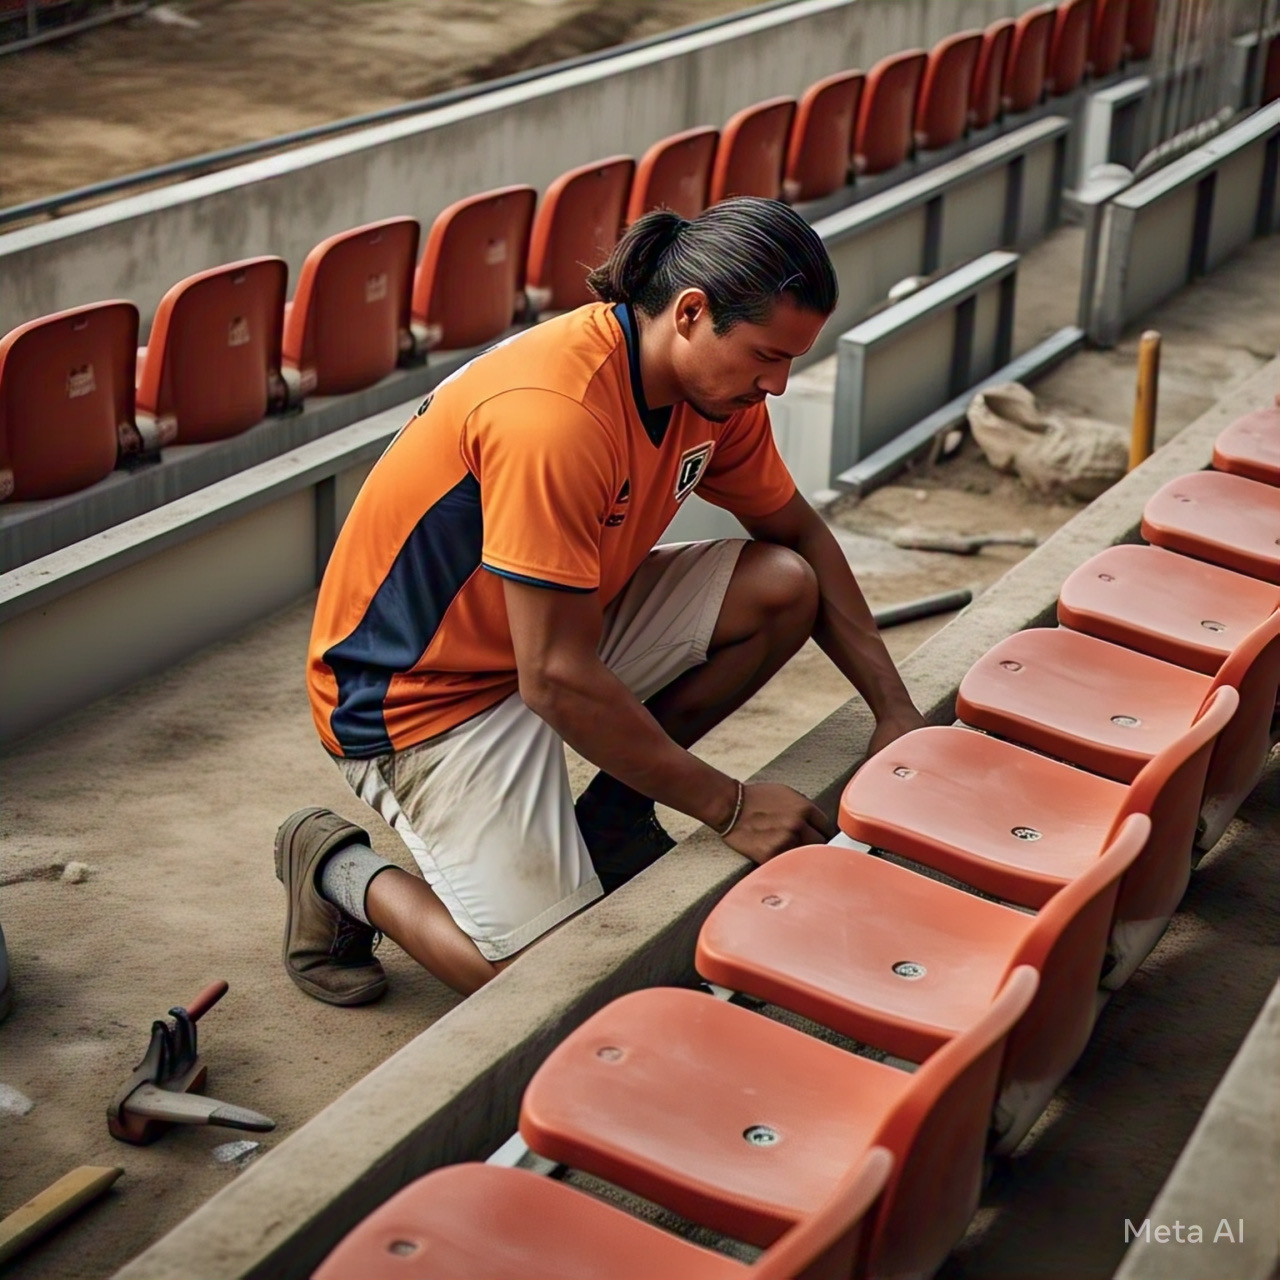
691	308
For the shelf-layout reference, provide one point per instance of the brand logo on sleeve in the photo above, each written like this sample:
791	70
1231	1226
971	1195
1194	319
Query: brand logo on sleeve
692	465
619	512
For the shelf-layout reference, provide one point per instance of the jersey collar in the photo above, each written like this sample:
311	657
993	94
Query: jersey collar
654	421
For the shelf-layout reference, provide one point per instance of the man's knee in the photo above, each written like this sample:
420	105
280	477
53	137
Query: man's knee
785	586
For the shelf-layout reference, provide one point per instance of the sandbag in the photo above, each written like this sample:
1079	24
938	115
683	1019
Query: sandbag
1053	454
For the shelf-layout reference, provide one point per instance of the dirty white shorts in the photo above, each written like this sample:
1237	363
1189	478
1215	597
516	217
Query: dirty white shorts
486	809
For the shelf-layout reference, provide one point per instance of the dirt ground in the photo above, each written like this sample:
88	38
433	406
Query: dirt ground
198	75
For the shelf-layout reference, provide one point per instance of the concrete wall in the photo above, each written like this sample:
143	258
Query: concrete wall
137	247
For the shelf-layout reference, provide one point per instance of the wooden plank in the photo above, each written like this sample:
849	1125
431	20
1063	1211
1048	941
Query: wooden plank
27	1223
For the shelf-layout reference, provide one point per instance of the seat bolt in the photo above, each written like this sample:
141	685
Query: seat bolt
610	1053
1024	833
760	1135
1209	625
402	1248
771	900
1106	577
910	970
1009	665
1126	722
903	772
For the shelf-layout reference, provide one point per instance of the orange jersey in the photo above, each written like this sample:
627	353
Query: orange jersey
537	461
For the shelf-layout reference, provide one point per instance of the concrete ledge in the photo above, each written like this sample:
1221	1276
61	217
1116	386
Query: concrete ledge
454	1092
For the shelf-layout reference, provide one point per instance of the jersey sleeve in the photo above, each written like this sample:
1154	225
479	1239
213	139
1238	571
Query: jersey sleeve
548	473
746	474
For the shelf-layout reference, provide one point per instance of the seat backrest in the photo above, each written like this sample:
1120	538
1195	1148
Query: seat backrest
1106	40
942	112
886	116
987	99
1069	45
66	399
821	144
348	324
752	151
213	356
1140	29
938	1135
1028	58
577	226
675	173
470	282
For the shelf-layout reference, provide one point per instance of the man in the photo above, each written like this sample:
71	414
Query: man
494	594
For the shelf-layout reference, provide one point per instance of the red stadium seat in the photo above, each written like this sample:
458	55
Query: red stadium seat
821	146
675	173
212	365
1069	46
926	959
745	1125
1225	519
470	282
348	324
1250	447
942	113
986	101
471	1221
1106	41
1020	826
1028	58
66	399
1140	29
886	116
752	151
578	224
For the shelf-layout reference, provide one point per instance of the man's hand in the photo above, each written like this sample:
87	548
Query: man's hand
774	819
891	727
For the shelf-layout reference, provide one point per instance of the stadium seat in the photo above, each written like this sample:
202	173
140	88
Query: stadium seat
1068	62
470	283
821	146
752	151
487	1222
1028	58
1106	40
1172	607
1109	709
1225	519
1140	29
925	960
1020	826
578	224
942	112
884	133
348	325
212	364
987	99
745	1125
675	173
1250	447
66	399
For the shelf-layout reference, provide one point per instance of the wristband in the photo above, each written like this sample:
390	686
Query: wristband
737	813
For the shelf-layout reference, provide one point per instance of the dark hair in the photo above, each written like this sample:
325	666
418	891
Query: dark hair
744	254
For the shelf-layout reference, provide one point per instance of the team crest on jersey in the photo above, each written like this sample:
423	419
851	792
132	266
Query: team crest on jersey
619	512
692	464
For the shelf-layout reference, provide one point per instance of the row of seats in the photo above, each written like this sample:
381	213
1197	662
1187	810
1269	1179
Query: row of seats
77	395
1092	759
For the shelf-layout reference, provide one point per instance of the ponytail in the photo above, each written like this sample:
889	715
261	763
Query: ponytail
636	257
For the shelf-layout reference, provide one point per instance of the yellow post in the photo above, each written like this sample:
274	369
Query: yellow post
1143	440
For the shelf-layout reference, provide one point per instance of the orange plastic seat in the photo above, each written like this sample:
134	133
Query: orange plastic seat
1020	826
1174	608
66	399
577	226
485	1222
925	960
470	283
821	145
212	367
745	1125
1140	29
885	130
348	325
1028	58
1225	519
675	173
1068	61
752	151
1106	40
1250	447
942	112
987	98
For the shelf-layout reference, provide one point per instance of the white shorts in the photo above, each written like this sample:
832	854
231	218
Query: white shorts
486	809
